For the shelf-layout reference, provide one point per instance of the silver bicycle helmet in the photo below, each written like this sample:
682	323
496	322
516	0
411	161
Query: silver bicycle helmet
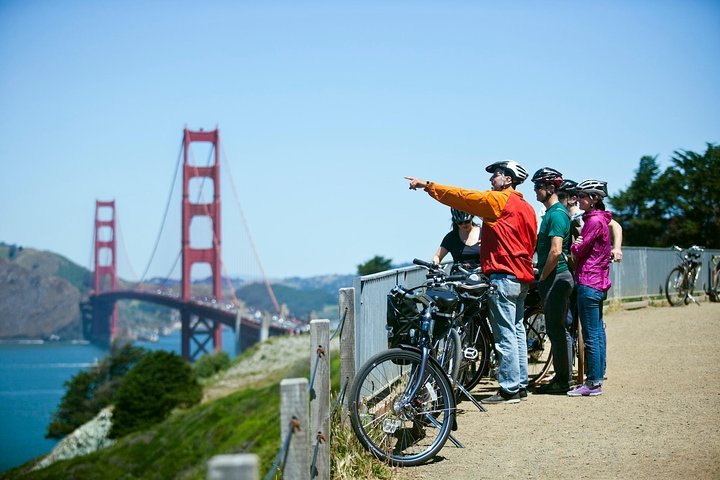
595	187
459	216
511	168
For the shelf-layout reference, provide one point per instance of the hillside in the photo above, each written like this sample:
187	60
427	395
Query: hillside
39	294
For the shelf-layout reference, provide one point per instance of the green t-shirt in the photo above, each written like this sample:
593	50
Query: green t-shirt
555	223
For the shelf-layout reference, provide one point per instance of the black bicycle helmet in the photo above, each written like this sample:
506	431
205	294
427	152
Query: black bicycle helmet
595	187
568	186
548	175
512	168
459	216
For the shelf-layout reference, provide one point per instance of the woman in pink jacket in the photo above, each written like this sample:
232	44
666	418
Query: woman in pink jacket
592	271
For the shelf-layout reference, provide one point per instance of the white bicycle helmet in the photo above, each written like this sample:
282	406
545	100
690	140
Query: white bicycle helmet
511	168
595	187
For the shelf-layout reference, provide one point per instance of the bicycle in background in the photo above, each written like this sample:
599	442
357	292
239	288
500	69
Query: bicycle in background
680	283
714	292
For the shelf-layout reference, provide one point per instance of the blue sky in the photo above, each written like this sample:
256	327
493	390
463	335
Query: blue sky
323	107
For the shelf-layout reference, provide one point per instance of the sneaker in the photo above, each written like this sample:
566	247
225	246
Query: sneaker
523	394
502	397
585	391
553	388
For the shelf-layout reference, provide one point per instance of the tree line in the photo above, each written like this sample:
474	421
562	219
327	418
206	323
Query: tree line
677	206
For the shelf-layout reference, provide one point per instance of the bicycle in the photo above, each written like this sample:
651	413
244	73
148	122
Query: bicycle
479	352
680	283
713	291
402	401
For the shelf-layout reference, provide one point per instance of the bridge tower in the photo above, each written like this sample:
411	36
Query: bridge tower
105	276
197	331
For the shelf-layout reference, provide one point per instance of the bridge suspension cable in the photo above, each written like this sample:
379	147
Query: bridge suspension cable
123	246
247	230
162	224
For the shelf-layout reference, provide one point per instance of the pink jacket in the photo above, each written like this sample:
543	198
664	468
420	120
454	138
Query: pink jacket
592	255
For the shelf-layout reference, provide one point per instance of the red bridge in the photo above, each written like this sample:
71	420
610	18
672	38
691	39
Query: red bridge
201	319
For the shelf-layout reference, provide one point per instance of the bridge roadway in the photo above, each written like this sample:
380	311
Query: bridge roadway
101	307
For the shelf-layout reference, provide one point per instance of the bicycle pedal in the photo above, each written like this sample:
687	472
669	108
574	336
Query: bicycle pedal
470	353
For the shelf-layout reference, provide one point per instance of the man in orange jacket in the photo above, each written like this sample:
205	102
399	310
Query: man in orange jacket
509	233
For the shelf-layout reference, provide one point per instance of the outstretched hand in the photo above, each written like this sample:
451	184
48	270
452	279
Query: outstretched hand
416	183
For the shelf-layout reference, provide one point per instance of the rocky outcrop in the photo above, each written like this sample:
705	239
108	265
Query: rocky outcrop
35	304
86	439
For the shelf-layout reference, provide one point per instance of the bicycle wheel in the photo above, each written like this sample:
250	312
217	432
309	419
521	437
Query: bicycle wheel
580	353
714	292
448	353
400	431
538	345
675	287
476	347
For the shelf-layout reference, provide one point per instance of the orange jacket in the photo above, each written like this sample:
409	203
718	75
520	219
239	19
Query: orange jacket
509	230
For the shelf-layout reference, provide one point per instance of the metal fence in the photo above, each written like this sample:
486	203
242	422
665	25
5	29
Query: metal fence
640	275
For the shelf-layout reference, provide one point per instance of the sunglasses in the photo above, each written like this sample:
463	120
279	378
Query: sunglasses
583	195
463	223
540	186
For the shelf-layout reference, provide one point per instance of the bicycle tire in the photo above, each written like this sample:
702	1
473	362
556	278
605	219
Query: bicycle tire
449	353
401	435
714	292
475	336
580	355
539	352
675	287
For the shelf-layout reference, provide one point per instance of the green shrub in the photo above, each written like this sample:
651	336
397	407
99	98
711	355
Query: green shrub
89	391
159	382
210	364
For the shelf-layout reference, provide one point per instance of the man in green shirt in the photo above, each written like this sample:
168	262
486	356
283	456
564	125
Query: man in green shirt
556	281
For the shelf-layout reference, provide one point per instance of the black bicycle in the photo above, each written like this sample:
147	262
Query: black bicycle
479	356
714	291
680	283
402	401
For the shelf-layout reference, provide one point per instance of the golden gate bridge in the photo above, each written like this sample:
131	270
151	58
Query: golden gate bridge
201	318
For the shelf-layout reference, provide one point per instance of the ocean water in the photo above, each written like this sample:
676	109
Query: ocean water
32	378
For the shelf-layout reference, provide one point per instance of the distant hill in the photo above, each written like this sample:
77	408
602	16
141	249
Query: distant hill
302	303
40	293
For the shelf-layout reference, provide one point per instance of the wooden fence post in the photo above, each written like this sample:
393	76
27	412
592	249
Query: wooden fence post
294	407
346	303
243	466
320	401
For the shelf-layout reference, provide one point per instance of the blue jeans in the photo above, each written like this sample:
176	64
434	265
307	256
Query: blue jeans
507	304
590	301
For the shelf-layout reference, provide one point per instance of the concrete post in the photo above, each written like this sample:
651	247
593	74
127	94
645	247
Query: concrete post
242	466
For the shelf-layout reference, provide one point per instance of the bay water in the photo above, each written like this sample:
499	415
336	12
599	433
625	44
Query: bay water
32	377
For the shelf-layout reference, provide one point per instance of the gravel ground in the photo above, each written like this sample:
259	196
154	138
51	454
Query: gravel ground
658	417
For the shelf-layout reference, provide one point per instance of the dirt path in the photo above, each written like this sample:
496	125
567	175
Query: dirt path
659	416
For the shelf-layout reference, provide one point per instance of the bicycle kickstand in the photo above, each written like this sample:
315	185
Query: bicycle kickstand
454	440
694	300
464	391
